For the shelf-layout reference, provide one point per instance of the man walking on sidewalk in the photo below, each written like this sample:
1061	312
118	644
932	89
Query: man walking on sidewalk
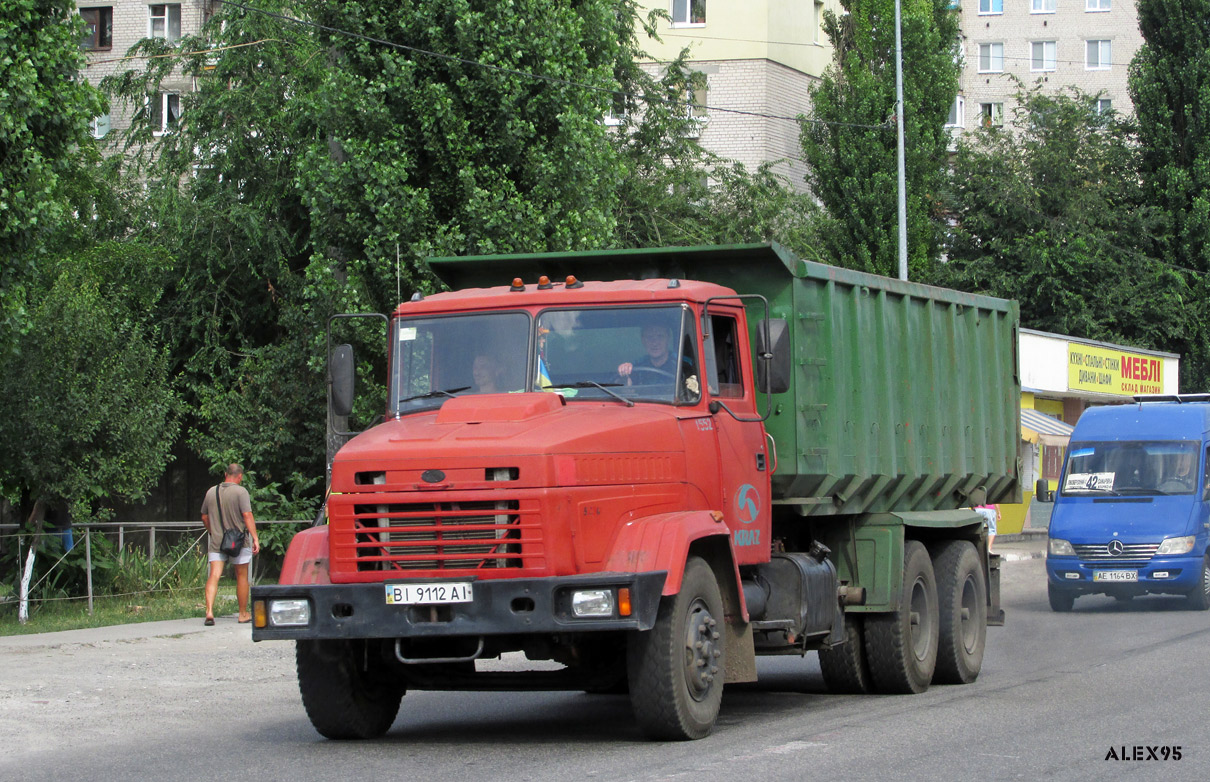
234	512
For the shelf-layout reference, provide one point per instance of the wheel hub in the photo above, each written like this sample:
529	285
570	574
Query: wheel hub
701	650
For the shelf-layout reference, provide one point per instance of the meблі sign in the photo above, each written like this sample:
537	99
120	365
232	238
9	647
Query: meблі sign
1113	371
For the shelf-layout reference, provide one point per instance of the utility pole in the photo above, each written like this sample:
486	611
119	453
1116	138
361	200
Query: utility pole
903	256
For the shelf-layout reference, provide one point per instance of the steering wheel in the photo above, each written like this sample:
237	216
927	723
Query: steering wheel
653	371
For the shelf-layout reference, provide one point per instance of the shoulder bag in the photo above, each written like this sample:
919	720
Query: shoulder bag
233	539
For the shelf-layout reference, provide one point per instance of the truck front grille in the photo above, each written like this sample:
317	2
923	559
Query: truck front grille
1131	553
441	536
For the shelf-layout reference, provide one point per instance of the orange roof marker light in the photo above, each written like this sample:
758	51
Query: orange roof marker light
572	283
517	285
544	283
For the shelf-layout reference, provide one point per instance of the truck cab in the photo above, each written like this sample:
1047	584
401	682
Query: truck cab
1132	511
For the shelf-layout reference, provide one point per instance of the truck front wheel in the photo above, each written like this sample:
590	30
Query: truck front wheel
902	646
345	691
962	594
675	670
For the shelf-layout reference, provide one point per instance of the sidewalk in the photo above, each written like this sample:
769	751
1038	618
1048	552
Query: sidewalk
1029	544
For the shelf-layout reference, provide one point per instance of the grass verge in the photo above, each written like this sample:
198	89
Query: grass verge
53	616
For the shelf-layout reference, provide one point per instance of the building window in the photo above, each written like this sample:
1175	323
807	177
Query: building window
1042	56
98	30
688	12
1104	105
164	22
957	113
100	126
165	112
817	20
991	115
1097	5
1099	57
992	6
1041	6
991	57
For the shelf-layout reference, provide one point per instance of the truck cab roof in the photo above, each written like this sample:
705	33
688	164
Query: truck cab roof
562	294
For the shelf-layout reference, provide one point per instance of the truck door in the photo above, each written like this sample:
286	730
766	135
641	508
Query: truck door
743	457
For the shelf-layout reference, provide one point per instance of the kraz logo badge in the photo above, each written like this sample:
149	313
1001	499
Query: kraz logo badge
747	508
432	476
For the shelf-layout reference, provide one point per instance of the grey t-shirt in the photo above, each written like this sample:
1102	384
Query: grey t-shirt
235	502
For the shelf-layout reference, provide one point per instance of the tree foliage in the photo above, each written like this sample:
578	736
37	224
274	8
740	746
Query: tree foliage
44	116
87	402
849	141
1052	213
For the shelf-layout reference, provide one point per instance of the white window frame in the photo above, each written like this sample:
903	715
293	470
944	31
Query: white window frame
1041	6
1104	51
817	23
100	126
1049	64
957	115
168	15
991	114
991	7
991	58
1103	105
1098	6
688	19
166	101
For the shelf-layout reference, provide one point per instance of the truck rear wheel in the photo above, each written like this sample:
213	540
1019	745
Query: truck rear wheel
675	670
844	667
1199	598
962	599
902	646
345	694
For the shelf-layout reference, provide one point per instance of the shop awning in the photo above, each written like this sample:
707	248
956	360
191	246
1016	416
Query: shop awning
1039	427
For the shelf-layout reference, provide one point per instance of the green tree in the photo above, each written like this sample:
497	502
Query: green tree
849	140
87	400
1052	213
44	116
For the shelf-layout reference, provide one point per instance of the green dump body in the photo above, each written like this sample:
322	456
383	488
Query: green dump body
903	397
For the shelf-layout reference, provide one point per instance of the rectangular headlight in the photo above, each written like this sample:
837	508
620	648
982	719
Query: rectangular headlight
289	613
1061	548
586	603
1176	546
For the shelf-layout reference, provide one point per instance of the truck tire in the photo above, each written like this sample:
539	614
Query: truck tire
1061	600
1199	598
901	646
344	699
844	667
675	670
962	607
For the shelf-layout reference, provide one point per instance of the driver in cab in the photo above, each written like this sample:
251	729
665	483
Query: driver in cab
659	364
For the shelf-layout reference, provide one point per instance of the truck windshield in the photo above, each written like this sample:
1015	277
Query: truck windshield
437	358
1131	467
636	353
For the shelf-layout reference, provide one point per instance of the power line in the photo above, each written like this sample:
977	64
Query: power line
529	75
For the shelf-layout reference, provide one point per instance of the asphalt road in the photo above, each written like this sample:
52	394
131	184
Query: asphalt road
175	701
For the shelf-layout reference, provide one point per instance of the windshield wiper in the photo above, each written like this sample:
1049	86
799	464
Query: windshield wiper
593	384
450	392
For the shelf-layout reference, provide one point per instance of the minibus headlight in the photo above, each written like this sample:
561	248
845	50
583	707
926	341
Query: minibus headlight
1176	546
1061	548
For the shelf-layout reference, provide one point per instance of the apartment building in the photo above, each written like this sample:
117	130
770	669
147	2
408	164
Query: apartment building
1082	43
116	26
759	57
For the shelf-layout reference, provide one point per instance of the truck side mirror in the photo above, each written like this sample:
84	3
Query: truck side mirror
340	378
776	369
1042	491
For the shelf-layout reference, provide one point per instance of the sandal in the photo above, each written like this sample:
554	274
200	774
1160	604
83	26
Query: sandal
244	621
209	621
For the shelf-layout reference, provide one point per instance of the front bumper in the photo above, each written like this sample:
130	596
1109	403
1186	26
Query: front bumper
1158	575
500	607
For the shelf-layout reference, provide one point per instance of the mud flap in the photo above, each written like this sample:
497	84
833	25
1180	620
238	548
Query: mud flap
995	614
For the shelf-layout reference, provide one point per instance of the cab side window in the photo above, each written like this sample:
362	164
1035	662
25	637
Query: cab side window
727	381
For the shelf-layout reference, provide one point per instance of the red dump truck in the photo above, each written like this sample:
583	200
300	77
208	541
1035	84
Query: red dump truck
651	467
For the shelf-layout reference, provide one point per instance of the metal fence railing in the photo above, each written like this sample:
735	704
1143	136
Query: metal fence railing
26	556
